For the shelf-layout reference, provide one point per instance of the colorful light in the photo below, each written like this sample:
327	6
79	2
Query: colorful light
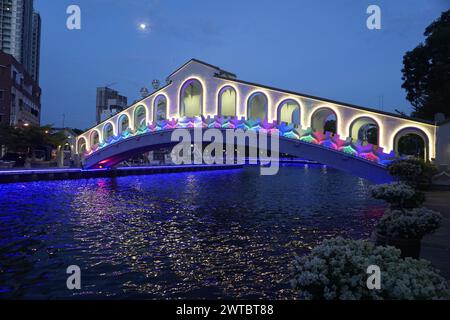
327	139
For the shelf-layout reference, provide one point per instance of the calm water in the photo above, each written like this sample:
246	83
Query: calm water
228	234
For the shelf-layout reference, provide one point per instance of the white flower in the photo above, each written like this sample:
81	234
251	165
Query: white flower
410	224
336	269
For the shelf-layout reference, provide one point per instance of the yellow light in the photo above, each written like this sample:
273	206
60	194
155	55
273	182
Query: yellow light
153	105
300	104
269	103
431	141
339	127
381	138
204	95
238	96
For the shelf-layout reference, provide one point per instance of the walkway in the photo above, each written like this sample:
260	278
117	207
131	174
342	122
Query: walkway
436	247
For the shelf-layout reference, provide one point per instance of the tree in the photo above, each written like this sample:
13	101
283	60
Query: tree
28	139
330	126
426	72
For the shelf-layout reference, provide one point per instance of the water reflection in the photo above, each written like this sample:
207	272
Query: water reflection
229	234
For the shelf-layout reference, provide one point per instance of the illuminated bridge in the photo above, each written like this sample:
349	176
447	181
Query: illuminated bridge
344	136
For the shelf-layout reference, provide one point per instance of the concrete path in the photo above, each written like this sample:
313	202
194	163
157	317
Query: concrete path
436	247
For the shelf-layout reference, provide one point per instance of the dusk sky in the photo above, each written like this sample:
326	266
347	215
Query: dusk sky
320	47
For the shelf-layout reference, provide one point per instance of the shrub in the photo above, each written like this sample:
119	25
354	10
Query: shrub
399	195
413	171
412	224
336	270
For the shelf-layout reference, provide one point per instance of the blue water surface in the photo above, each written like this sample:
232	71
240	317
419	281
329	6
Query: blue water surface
214	234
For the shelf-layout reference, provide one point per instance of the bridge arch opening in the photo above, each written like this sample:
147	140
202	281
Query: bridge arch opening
81	145
289	112
412	142
191	99
94	138
140	115
324	119
366	130
123	123
257	106
108	131
227	102
160	108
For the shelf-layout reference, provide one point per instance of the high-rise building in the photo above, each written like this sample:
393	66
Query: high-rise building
109	102
20	29
20	95
35	46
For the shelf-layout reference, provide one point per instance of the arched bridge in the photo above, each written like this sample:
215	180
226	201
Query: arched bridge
348	137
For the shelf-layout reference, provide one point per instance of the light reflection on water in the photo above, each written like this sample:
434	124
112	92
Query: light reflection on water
227	234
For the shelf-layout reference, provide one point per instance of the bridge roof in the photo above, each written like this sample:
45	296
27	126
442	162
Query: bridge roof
226	75
221	71
391	114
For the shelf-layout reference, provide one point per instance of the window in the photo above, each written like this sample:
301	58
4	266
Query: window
191	99
257	106
227	102
160	108
289	112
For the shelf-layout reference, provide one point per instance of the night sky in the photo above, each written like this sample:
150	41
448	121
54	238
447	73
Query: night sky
317	47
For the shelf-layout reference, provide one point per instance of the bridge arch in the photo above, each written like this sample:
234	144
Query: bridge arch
191	98
412	141
289	111
227	101
324	119
257	106
113	154
366	130
140	116
108	131
123	123
160	106
81	145
94	138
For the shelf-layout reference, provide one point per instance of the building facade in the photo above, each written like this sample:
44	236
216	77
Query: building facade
20	28
109	102
20	95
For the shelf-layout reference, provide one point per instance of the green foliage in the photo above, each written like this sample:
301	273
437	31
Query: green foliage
372	135
411	145
330	126
413	171
426	72
410	224
399	195
28	139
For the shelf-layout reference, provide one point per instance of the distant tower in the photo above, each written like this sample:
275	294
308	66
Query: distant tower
109	103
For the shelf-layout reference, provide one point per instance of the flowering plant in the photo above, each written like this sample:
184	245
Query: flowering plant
398	194
411	224
336	270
